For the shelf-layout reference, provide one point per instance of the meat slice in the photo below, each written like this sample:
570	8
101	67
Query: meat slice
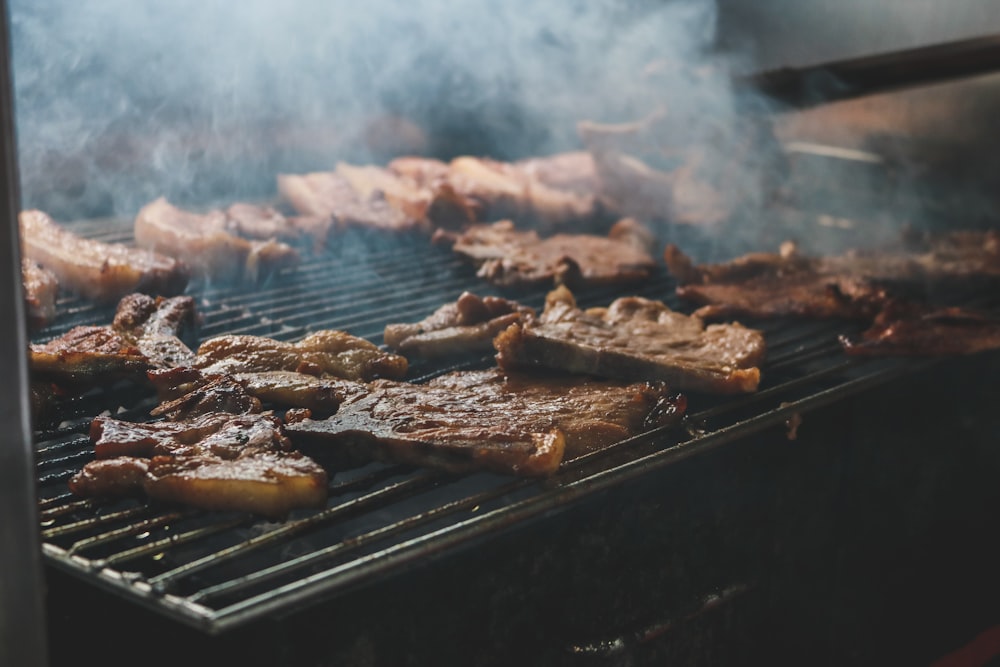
635	339
97	270
207	243
216	461
475	420
253	221
321	353
773	285
573	171
40	289
464	327
906	329
145	334
330	197
508	257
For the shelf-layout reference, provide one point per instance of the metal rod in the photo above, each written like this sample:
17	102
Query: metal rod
856	77
22	609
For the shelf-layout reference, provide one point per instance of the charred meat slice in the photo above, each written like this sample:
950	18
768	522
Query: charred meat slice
509	257
97	270
145	334
40	289
635	339
207	244
325	352
774	285
903	329
216	462
486	420
466	326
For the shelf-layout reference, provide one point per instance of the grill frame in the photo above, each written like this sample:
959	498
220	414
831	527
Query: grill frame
805	371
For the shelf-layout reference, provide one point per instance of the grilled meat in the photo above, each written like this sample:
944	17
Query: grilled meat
466	326
263	223
321	353
40	289
207	243
190	394
508	257
145	334
573	171
906	329
635	339
486	420
100	271
216	461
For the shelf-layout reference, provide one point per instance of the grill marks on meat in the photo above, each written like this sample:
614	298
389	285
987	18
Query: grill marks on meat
100	271
320	353
208	244
216	461
508	257
488	420
464	327
775	285
635	339
907	330
40	289
145	334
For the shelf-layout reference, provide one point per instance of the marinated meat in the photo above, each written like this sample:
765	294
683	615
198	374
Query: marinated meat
100	271
487	420
373	183
853	285
464	327
40	289
321	353
635	339
216	462
509	257
207	243
573	171
774	285
330	197
905	329
145	334
187	391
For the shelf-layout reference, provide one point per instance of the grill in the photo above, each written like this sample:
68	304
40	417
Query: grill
218	572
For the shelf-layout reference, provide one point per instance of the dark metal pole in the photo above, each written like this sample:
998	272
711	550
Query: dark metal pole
22	608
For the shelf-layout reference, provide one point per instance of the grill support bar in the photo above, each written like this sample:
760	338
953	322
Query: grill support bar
22	618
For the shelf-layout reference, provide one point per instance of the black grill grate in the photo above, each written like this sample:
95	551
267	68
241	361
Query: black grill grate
217	571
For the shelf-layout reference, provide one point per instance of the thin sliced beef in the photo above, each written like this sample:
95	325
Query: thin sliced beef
903	329
40	289
475	420
464	327
635	339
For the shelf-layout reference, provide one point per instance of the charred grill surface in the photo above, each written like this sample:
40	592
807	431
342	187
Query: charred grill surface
221	570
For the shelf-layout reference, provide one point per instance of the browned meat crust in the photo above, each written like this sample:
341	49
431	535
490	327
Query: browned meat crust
321	353
100	271
40	289
216	461
908	330
635	339
509	257
854	285
487	420
144	335
466	326
207	244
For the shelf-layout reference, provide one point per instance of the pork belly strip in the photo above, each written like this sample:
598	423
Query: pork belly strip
100	271
466	326
145	334
486	420
40	289
920	331
508	257
321	353
207	244
216	462
635	339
